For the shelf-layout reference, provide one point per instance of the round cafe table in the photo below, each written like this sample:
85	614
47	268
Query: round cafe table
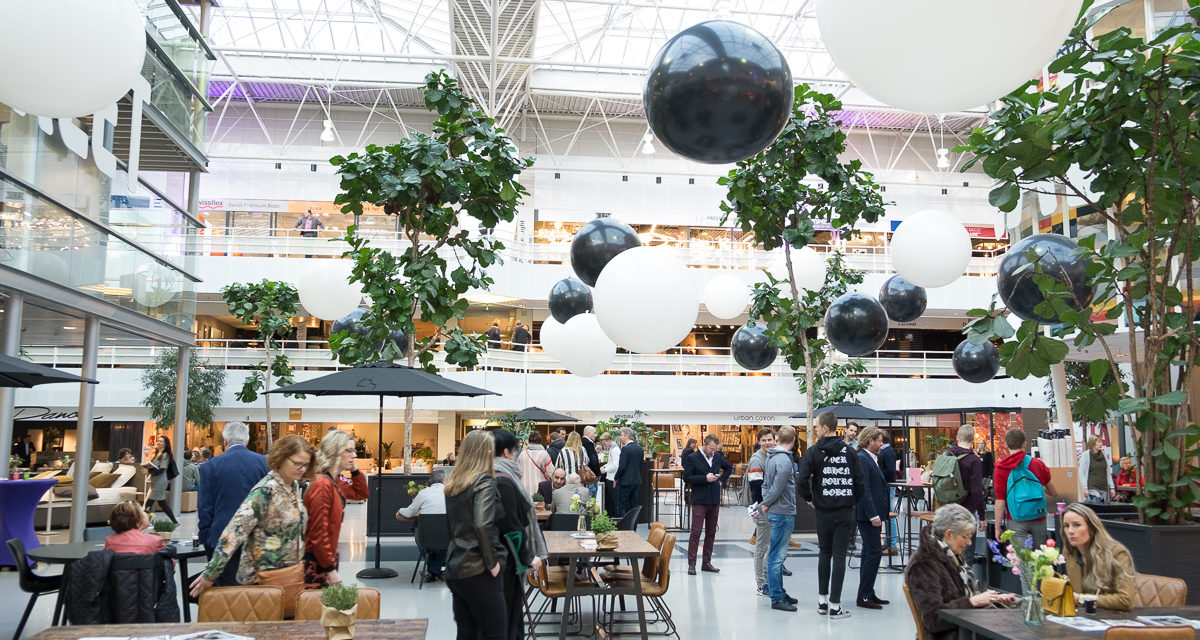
64	553
18	501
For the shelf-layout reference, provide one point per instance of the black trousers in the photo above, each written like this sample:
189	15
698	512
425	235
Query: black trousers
480	610
872	552
835	530
514	601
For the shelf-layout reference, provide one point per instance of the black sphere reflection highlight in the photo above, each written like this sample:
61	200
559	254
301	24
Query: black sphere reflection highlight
752	348
976	362
856	324
1055	256
902	300
569	298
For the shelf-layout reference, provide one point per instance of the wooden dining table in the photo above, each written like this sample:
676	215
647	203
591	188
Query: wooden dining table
408	629
1009	624
630	546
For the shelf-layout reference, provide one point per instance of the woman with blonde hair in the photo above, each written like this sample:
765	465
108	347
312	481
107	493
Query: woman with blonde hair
325	502
1095	476
269	524
572	456
476	552
1097	565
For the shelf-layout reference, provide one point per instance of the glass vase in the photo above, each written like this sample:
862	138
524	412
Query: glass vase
581	526
1031	601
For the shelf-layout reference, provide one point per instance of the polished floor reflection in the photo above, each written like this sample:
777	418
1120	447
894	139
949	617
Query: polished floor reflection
705	605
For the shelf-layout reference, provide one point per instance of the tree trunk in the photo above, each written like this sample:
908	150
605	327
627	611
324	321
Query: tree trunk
408	415
810	380
267	399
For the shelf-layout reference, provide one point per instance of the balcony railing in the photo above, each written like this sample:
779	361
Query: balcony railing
316	356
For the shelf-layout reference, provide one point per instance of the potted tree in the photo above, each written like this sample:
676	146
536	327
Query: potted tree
605	529
339	609
1117	136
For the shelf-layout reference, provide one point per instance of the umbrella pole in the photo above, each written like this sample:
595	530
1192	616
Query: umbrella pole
378	571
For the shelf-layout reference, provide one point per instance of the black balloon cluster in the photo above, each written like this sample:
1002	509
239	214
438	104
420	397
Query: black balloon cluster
902	300
569	298
718	92
856	324
596	243
349	323
1057	258
752	348
976	362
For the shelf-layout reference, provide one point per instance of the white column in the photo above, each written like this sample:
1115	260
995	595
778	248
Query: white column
83	440
13	308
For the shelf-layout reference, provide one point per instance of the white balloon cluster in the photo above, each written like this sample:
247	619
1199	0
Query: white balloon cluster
930	249
726	296
69	58
325	290
646	300
902	54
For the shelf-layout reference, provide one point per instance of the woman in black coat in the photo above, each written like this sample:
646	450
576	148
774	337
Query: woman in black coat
476	555
937	576
518	527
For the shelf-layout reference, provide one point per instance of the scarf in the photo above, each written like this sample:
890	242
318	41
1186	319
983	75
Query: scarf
964	570
533	532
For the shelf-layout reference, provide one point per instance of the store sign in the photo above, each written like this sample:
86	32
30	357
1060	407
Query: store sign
243	204
44	413
295	413
973	230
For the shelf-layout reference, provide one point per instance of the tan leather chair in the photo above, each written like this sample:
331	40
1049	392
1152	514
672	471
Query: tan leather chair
1150	633
654	588
912	608
658	532
244	603
1159	591
308	605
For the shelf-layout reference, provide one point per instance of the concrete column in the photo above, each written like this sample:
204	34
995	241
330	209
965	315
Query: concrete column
1058	380
13	308
179	438
447	420
83	445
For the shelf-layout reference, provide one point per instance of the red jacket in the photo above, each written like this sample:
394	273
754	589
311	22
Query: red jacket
1005	466
325	510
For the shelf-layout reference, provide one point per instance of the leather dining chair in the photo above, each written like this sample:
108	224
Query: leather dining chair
308	605
244	603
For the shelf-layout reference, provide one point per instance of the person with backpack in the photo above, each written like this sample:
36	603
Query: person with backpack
1022	484
965	486
829	480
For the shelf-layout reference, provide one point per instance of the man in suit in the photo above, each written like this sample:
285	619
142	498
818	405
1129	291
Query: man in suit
493	336
869	514
521	337
25	450
225	481
593	458
705	472
546	487
629	472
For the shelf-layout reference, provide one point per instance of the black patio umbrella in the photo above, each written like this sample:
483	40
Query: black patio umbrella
381	379
538	414
15	372
851	411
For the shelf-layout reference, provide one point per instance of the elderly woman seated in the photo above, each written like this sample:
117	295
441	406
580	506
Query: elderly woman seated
937	576
1097	566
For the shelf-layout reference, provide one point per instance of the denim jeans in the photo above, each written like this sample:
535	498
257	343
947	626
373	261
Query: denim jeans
781	534
894	539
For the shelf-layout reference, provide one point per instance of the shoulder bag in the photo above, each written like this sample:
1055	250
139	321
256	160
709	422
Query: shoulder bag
1058	598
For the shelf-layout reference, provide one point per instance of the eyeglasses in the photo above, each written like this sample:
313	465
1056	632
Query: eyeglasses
300	465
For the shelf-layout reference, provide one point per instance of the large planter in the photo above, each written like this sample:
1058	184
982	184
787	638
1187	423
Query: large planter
395	496
1166	550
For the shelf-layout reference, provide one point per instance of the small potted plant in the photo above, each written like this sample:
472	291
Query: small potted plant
339	608
539	501
605	529
165	529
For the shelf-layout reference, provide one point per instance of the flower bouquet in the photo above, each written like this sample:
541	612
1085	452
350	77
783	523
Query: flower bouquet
586	508
1031	566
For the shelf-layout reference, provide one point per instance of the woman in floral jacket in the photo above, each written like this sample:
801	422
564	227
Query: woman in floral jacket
269	526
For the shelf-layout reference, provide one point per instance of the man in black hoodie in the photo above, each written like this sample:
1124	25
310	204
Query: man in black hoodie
830	481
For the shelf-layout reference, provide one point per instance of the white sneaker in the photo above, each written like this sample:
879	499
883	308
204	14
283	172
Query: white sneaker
763	592
838	613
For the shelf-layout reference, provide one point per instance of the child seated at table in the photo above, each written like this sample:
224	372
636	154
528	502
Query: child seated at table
127	521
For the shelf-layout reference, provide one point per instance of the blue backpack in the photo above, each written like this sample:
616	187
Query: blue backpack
1026	495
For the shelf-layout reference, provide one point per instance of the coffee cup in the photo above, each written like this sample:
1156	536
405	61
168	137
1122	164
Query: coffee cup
1089	604
1062	506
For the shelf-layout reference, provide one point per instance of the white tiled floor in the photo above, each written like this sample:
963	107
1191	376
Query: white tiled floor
706	606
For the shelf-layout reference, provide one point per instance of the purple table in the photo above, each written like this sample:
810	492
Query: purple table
18	501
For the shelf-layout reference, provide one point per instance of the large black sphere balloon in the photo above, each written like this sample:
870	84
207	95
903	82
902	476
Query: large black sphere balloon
1021	294
718	92
856	324
569	298
398	338
902	300
596	243
350	324
976	362
752	348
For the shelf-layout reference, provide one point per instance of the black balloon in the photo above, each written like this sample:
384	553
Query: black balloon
569	298
752	348
1021	294
596	243
718	92
976	362
856	324
902	300
349	323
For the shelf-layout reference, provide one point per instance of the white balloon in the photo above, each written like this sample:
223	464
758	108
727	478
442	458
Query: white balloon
69	58
809	268
325	290
646	300
931	249
726	296
551	336
585	350
902	53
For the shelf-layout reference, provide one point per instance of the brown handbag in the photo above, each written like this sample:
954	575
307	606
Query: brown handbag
1058	598
586	475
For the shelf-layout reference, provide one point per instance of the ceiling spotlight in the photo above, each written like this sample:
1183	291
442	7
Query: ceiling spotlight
943	158
648	143
327	135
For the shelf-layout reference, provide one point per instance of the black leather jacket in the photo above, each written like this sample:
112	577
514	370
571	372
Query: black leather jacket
475	545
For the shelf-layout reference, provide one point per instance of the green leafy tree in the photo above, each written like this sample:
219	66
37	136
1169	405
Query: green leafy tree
270	306
519	428
780	195
1122	136
205	383
838	381
465	172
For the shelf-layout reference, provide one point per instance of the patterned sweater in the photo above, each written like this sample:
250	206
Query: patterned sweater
269	526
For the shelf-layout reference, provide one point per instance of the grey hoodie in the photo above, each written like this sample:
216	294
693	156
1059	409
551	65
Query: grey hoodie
779	483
